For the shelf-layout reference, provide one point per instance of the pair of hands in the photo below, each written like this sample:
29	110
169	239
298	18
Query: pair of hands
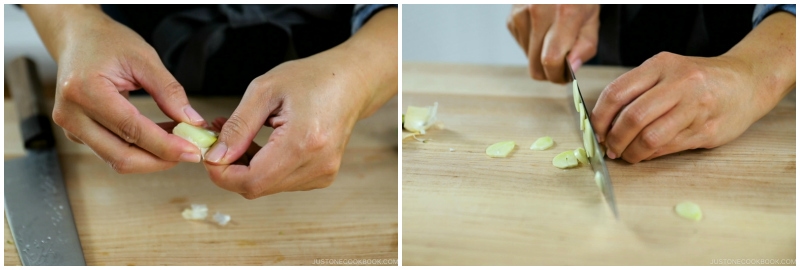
312	104
669	103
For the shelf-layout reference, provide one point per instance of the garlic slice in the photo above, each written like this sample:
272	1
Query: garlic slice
689	210
565	160
580	155
501	149
542	143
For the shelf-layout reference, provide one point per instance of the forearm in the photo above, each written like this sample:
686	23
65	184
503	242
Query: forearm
768	55
374	53
53	22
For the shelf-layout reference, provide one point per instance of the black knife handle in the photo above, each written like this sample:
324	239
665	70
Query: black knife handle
26	91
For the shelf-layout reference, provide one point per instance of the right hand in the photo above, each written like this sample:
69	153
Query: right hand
549	34
99	61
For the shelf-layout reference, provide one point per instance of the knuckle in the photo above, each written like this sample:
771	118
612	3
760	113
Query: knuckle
551	60
330	168
70	89
613	93
635	116
121	164
174	91
660	57
129	129
60	117
315	142
652	138
252	189
566	11
537	74
235	127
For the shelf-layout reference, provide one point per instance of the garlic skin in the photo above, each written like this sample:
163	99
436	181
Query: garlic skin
196	212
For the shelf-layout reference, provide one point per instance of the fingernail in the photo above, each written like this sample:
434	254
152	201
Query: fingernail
576	64
189	157
217	152
193	115
611	154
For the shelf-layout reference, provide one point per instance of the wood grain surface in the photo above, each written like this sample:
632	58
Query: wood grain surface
461	207
136	219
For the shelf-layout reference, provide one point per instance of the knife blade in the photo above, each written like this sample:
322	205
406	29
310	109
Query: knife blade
596	160
36	203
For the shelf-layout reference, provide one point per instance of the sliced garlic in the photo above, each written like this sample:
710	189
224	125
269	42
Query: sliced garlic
598	179
565	160
501	149
689	210
576	96
583	116
542	143
580	154
588	139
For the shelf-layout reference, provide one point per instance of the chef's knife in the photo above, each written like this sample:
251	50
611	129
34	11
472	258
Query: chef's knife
596	160
36	203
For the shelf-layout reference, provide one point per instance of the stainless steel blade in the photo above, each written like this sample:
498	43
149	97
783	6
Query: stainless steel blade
596	161
38	211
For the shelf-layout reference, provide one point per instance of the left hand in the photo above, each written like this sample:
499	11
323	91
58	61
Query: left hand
313	105
673	103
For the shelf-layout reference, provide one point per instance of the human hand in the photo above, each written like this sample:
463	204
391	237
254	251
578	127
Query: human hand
312	107
312	104
549	34
673	103
99	61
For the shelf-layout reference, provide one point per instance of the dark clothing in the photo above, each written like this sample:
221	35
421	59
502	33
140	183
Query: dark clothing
630	34
220	49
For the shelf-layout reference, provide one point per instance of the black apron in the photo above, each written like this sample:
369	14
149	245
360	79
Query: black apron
220	49
630	34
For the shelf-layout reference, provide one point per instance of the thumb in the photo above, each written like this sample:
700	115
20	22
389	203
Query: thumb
238	131
166	91
585	47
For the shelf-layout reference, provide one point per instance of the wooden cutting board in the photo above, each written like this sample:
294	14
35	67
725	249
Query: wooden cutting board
461	207
136	219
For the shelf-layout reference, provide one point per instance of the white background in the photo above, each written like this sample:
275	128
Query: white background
459	34
20	38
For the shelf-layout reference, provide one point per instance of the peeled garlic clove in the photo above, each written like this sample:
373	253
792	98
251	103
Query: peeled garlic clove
580	154
542	143
415	118
583	116
588	139
598	179
198	136
419	119
689	210
501	149
576	96
565	160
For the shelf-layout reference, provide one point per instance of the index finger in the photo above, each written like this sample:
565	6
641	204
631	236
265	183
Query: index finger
119	116
619	93
559	41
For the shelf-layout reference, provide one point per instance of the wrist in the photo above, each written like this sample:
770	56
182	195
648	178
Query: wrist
766	59
373	60
55	24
